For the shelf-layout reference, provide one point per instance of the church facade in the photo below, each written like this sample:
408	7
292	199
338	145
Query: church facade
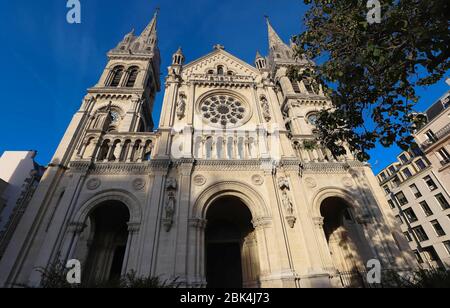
232	190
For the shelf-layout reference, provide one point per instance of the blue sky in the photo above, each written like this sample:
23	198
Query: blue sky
48	63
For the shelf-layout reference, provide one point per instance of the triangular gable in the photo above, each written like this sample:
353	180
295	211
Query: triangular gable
220	57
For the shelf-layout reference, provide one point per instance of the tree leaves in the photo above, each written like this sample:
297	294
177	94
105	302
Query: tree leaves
373	68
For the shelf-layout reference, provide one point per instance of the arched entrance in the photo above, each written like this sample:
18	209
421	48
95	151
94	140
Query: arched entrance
231	248
344	236
103	243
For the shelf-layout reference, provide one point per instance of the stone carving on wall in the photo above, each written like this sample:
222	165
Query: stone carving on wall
310	183
138	184
257	180
265	109
171	184
93	184
181	106
169	211
347	181
283	184
199	180
170	206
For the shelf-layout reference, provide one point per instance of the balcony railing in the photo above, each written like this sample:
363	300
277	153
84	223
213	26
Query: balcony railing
437	136
445	162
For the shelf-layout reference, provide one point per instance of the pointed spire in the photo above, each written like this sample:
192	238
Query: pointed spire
258	55
178	57
151	28
275	42
260	61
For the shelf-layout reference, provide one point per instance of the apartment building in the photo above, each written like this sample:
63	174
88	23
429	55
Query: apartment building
417	188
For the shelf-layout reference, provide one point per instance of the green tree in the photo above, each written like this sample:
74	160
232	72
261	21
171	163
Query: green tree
372	71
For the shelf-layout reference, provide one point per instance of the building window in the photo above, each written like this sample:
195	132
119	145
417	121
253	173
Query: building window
426	209
403	158
391	204
447	246
383	176
408	236
430	183
387	190
431	136
415	191
220	70
407	173
420	164
399	219
438	228
401	198
416	151
296	86
445	157
392	169
396	181
421	234
132	76
430	254
442	201
116	77
410	215
418	257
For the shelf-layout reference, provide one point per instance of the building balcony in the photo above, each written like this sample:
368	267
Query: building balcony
441	134
445	162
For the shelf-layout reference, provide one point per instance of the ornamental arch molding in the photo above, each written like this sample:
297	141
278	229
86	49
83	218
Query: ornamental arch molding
350	199
123	196
246	194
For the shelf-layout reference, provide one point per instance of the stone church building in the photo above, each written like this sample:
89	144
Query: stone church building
231	190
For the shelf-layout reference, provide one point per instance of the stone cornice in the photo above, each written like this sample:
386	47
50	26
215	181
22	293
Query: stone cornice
150	167
186	165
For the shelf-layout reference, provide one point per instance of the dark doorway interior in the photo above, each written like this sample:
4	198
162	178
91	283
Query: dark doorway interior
224	268
229	223
116	267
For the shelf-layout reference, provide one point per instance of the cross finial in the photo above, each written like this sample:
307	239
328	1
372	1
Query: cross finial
219	47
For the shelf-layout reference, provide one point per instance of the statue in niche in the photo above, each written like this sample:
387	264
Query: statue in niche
169	211
283	183
266	109
181	106
171	184
287	203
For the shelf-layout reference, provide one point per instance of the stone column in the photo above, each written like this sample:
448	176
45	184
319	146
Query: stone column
196	253
324	250
181	228
132	249
262	226
70	243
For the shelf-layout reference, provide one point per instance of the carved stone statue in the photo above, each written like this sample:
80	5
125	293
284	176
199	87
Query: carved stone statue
170	206
181	106
287	203
266	109
171	184
169	211
283	183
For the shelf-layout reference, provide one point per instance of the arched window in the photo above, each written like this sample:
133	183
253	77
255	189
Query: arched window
230	73
116	77
132	76
220	70
210	72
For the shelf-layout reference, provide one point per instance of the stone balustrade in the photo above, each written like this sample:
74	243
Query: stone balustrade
118	147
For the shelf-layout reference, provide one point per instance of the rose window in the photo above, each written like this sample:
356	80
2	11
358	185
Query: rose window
223	110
